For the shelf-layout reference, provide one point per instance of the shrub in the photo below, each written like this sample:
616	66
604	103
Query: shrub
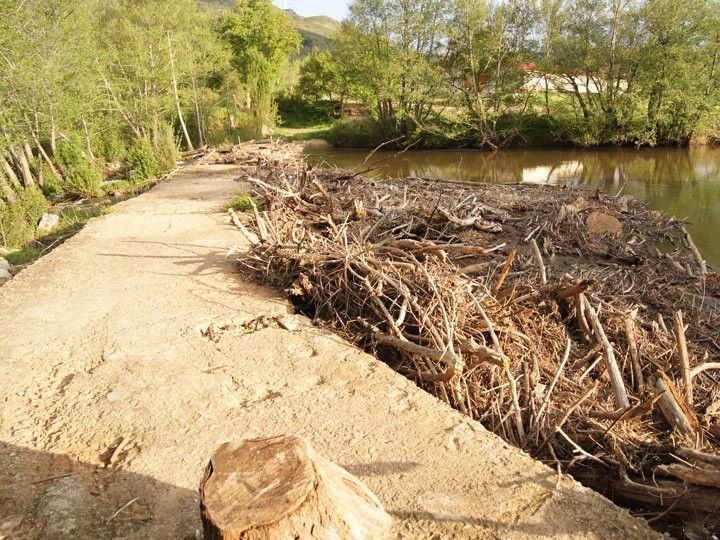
220	132
243	203
109	146
19	220
298	112
167	148
142	159
357	133
82	177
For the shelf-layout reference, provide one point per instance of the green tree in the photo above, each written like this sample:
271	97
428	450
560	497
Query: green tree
395	48
261	39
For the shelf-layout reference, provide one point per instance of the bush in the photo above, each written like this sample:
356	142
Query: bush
82	177
219	131
142	159
167	148
109	145
19	220
357	133
243	203
298	112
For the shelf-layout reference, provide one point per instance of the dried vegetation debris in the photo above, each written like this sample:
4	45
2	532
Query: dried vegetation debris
578	326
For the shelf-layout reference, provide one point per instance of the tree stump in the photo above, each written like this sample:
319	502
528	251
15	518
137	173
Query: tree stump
280	488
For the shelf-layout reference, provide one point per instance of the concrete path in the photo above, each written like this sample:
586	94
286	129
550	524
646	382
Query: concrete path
113	398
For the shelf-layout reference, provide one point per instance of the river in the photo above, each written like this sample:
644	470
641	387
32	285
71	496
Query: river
681	182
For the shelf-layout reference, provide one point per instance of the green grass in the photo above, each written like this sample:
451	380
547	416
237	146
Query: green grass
23	255
71	221
243	203
318	131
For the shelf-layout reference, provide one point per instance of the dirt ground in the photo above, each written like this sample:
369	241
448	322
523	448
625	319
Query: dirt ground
114	394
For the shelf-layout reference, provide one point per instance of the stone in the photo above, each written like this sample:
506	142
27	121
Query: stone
4	265
5	275
48	222
599	223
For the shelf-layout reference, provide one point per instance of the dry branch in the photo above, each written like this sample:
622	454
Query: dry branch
621	399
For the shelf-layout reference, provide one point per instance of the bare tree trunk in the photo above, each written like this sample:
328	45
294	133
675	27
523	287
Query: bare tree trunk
177	97
6	190
9	172
53	137
111	94
21	162
198	116
41	151
87	139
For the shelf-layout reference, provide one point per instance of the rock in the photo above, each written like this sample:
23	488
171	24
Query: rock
48	222
4	265
5	275
599	223
289	322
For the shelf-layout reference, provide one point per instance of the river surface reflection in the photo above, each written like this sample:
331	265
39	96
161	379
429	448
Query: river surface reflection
680	182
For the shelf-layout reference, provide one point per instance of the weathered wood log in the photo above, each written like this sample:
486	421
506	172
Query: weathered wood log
621	399
692	475
674	498
280	488
702	457
633	349
673	407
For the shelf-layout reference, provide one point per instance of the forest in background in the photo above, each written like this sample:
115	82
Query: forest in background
496	73
100	96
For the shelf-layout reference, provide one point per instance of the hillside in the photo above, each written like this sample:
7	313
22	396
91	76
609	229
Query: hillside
316	32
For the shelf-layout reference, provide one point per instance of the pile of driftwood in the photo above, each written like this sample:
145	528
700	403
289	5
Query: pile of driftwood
578	326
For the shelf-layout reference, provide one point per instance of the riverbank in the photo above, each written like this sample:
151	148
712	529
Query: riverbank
452	133
110	415
543	313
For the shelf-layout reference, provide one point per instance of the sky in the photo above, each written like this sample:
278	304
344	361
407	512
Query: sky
337	9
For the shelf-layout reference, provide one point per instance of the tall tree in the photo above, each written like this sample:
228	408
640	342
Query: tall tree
262	39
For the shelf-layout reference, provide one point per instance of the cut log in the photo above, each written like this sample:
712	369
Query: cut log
280	488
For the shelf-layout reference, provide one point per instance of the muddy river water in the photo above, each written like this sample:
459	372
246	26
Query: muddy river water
680	182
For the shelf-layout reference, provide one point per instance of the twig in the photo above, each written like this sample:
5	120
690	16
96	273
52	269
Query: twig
506	268
554	382
578	448
633	349
679	330
41	481
703	367
696	252
539	260
123	507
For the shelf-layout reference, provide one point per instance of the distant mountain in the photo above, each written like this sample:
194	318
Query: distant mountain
316	32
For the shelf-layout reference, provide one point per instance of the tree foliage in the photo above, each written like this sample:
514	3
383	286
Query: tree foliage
592	71
87	84
261	39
